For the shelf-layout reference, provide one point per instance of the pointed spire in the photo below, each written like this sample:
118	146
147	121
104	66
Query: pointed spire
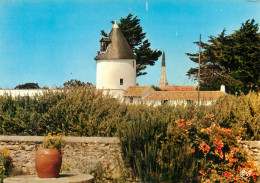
163	59
115	25
163	79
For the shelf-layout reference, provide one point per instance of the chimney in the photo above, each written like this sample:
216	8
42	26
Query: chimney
222	88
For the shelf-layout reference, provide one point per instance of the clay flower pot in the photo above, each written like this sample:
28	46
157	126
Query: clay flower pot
48	163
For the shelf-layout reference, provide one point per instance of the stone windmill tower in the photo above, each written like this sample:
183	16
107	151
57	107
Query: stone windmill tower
116	63
163	80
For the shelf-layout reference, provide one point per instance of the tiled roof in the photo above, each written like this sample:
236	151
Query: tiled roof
183	95
136	91
178	88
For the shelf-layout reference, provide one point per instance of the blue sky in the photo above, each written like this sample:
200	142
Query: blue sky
50	42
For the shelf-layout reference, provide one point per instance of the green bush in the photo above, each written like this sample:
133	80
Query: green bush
154	145
78	112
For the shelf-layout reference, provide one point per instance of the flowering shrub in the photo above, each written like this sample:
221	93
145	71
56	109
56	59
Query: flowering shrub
53	141
225	160
5	163
208	155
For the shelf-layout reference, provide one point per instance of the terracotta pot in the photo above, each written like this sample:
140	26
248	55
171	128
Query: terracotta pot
48	163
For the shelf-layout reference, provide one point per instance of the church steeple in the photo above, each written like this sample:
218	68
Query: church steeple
163	59
163	80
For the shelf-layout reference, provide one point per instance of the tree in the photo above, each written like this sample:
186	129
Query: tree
232	60
28	86
133	32
75	83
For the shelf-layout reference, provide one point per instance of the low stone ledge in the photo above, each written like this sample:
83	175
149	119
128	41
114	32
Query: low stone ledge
64	178
110	140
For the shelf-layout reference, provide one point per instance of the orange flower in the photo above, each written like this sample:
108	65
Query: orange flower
212	115
228	131
239	168
201	172
188	123
203	146
221	156
226	157
233	160
226	174
181	125
219	144
192	150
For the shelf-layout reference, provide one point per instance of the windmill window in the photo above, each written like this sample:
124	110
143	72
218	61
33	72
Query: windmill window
121	81
133	63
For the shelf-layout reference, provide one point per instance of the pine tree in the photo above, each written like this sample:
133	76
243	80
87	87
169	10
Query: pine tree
232	60
133	32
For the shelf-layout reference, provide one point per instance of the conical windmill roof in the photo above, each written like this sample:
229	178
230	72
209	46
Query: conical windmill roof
118	48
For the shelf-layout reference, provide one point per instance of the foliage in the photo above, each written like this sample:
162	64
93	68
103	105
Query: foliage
5	163
53	141
133	32
155	146
156	88
75	83
210	155
80	111
242	114
28	86
184	152
232	60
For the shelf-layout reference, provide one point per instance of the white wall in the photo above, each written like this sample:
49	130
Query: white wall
178	102
109	73
115	93
24	92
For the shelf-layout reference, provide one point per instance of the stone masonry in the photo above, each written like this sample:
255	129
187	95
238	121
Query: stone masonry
253	150
86	154
81	154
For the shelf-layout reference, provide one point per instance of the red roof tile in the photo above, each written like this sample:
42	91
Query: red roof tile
178	88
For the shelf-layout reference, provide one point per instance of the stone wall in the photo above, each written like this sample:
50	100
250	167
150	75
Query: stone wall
81	154
253	150
86	154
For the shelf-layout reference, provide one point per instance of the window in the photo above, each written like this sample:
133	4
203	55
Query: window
121	81
164	102
133	63
131	100
190	102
